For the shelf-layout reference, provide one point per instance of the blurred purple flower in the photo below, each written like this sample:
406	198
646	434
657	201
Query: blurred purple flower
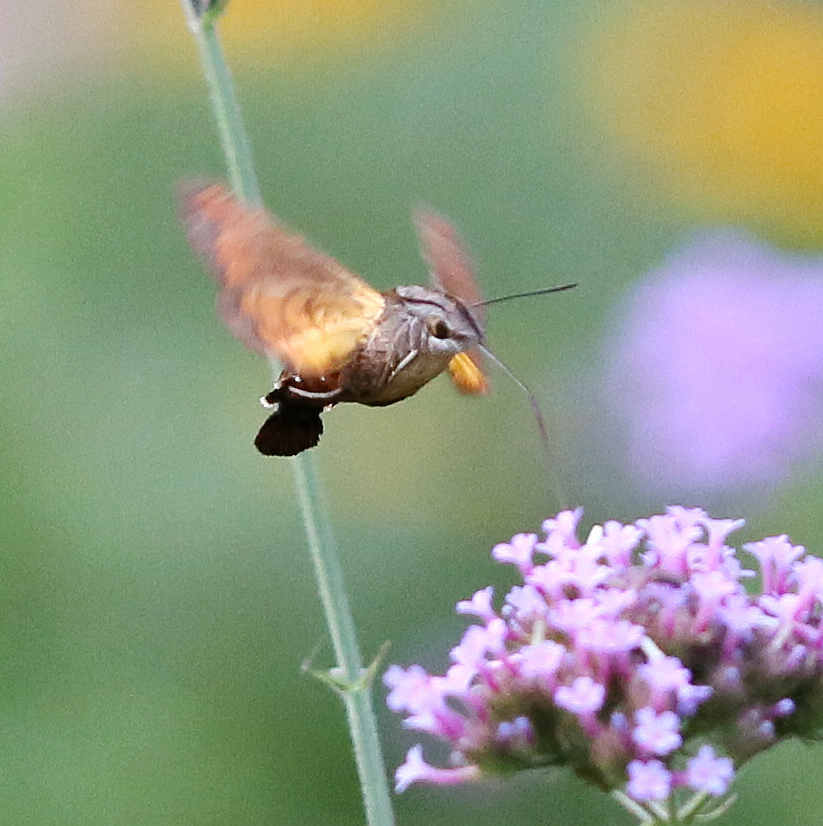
709	773
716	369
653	679
648	781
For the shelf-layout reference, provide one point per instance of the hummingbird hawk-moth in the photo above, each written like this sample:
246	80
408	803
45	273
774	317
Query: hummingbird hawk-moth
339	339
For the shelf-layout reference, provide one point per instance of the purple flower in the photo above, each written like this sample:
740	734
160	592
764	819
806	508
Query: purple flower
517	552
409	687
708	773
648	781
776	556
540	661
480	604
636	658
416	770
664	675
656	733
716	368
583	697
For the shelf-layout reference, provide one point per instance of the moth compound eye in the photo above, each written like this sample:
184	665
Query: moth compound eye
438	327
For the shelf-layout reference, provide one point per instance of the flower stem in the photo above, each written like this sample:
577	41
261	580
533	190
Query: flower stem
357	696
201	16
643	817
224	103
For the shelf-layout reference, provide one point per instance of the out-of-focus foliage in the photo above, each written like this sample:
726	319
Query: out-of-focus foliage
156	602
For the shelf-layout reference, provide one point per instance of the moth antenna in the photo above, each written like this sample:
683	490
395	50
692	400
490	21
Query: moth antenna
527	294
548	453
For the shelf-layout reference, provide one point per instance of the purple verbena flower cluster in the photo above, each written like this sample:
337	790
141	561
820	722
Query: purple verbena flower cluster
637	658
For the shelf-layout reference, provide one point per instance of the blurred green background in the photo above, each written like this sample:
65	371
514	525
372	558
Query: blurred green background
156	599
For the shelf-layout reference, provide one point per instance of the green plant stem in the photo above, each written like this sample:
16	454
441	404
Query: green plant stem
322	546
225	106
357	696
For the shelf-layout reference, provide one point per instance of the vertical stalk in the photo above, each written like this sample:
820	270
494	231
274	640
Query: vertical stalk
201	16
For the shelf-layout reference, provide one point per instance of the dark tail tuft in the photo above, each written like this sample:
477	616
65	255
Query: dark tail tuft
290	430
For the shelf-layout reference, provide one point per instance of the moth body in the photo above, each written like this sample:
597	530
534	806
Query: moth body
339	339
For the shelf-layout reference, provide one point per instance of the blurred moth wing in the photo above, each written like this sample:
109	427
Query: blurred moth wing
451	270
281	297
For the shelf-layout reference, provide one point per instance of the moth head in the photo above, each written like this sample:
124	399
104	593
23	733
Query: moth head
447	325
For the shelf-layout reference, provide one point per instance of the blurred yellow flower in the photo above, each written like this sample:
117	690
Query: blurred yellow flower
724	103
